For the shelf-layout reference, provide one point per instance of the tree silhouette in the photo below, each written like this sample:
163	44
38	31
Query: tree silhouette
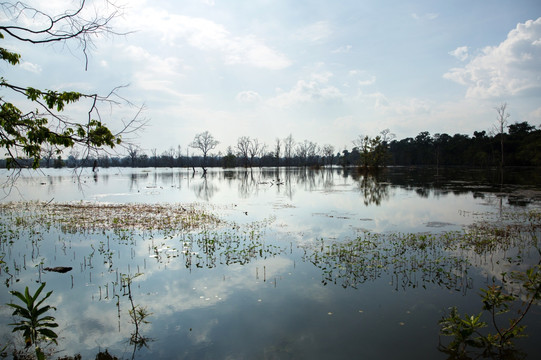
205	142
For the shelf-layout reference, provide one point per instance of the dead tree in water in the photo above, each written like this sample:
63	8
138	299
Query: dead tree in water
205	142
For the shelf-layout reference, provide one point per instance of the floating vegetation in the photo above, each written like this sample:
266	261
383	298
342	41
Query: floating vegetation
510	230
413	260
74	217
185	232
228	246
418	259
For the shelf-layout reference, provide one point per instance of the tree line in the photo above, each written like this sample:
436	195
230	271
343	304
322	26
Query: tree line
518	145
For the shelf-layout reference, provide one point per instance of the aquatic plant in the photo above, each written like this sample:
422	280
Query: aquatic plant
419	259
96	217
34	325
465	330
412	260
138	314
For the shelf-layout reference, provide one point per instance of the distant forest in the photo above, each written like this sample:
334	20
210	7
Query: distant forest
521	145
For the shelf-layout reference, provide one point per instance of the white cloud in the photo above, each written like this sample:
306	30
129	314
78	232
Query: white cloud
380	101
152	72
371	80
33	68
512	67
248	97
461	53
427	16
321	77
364	78
208	36
534	117
315	32
304	91
345	122
396	107
342	49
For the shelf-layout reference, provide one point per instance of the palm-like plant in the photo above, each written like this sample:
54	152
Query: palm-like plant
34	324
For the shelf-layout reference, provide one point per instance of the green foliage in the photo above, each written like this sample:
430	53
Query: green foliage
463	330
26	134
372	152
10	57
496	303
34	324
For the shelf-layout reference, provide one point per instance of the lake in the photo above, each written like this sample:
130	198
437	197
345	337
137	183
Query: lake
268	263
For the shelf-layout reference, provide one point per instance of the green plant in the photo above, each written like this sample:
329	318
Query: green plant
496	302
138	314
463	330
35	325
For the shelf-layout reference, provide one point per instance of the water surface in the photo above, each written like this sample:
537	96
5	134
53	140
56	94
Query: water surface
280	277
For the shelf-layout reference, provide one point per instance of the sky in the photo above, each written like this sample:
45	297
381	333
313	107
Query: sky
320	70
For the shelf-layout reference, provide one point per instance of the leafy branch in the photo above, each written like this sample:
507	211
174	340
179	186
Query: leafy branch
31	133
465	330
34	324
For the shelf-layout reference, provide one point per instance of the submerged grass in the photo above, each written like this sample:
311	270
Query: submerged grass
84	217
419	259
188	232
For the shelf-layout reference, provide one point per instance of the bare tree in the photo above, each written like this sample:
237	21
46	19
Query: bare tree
133	152
262	151
328	152
386	136
48	153
501	124
306	150
154	154
179	156
243	147
205	142
255	147
289	143
277	150
71	25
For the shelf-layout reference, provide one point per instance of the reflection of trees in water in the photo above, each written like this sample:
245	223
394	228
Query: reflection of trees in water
204	190
134	180
372	188
328	178
247	184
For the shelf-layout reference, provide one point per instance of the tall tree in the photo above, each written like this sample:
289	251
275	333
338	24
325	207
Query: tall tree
243	147
277	150
32	125
254	149
363	145
133	152
501	119
387	136
205	142
289	143
328	152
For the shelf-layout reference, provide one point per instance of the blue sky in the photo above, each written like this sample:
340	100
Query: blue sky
321	70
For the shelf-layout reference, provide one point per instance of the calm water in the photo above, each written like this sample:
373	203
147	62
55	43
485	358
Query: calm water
282	295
